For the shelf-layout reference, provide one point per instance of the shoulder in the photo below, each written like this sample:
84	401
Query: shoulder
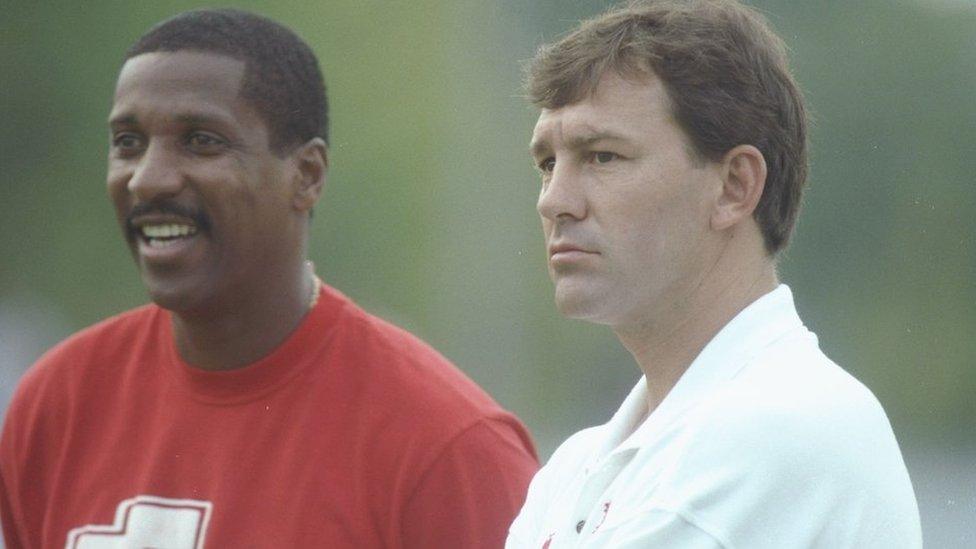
409	374
71	375
422	401
795	395
793	431
83	347
80	357
104	338
794	407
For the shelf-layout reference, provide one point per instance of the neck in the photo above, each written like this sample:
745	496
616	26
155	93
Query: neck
249	325
665	346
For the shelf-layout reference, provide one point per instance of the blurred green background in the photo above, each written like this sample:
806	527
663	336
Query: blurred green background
429	217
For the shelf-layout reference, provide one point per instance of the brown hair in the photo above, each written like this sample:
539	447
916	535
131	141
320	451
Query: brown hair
727	78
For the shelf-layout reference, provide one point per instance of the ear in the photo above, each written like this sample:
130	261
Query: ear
312	163
743	172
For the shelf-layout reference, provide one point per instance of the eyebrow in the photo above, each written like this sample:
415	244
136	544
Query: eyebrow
582	141
190	119
122	120
196	119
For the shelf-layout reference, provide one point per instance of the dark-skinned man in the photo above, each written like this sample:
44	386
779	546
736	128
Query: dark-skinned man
250	405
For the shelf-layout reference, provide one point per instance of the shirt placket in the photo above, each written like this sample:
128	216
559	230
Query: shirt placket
594	499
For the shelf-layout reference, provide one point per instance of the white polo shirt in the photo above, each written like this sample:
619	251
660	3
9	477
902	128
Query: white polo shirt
764	442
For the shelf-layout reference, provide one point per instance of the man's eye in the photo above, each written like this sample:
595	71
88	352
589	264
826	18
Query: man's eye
547	165
204	140
603	157
126	141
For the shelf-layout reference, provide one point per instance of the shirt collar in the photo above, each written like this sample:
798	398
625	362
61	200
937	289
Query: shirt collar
753	329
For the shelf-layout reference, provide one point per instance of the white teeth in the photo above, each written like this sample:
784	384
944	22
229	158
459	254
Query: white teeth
157	243
171	230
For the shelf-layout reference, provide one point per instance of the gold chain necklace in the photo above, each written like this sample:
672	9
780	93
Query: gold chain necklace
316	286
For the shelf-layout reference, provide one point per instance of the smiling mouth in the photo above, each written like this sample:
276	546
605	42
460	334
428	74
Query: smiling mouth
162	235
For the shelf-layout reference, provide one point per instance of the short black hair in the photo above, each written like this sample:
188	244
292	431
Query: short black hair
282	79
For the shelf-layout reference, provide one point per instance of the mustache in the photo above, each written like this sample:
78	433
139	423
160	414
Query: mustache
199	218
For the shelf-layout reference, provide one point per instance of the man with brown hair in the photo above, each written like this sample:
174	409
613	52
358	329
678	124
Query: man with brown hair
672	150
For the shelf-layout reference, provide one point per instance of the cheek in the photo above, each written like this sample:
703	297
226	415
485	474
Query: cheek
118	193
113	177
655	229
252	218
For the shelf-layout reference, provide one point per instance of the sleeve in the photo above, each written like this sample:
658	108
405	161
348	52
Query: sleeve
472	491
10	536
778	471
29	442
10	511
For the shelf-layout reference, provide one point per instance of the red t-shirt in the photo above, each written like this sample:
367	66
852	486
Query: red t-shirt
353	433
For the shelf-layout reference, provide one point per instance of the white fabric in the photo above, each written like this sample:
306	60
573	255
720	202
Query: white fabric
764	442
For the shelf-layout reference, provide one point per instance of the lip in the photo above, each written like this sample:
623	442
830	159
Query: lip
566	252
136	222
169	253
165	212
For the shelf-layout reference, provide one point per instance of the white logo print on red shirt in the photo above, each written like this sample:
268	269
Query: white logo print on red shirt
148	521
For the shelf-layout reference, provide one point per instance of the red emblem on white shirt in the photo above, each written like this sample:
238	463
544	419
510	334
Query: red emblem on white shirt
606	509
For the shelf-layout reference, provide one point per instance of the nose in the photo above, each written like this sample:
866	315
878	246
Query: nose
157	174
562	196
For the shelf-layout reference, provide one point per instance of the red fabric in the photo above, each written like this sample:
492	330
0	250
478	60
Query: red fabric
352	433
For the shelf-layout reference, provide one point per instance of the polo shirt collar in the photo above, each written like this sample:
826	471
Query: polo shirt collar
756	327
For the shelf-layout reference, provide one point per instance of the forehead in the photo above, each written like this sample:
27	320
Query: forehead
627	108
179	81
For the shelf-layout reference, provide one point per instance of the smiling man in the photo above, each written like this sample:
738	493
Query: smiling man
672	152
250	405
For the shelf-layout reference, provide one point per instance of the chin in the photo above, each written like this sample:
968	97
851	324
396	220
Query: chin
171	301
174	297
580	306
